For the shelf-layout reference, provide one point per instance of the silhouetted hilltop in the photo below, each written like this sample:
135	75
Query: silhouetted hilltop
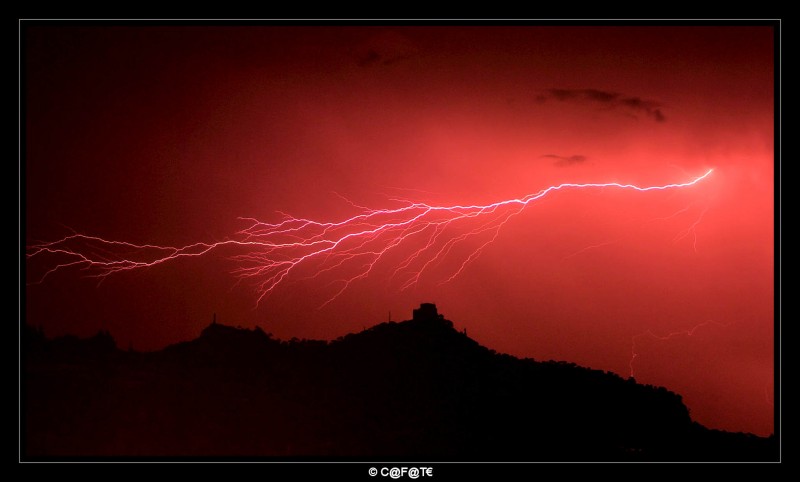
418	388
69	347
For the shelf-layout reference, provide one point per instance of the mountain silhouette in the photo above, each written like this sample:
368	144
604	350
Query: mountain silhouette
412	389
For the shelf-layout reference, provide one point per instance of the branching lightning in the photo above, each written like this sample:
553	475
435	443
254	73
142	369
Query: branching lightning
269	253
668	336
692	229
587	248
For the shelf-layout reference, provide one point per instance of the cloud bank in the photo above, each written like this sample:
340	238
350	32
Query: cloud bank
634	106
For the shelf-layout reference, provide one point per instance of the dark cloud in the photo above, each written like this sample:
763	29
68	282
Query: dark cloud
610	100
566	160
370	57
385	48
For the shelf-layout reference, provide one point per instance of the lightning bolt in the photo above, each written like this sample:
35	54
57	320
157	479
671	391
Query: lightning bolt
692	229
587	248
668	336
268	253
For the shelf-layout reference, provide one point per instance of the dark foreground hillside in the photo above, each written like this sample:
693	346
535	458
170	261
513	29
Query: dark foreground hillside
416	389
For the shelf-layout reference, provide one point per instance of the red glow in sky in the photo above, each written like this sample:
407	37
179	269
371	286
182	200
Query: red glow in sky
169	135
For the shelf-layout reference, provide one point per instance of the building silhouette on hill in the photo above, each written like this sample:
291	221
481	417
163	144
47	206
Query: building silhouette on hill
427	312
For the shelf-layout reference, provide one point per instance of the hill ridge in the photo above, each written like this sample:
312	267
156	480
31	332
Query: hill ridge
416	388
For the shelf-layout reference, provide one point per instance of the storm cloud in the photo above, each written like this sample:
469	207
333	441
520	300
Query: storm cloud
566	160
385	48
632	105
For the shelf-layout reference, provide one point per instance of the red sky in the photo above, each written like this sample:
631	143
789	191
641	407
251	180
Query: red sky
167	135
